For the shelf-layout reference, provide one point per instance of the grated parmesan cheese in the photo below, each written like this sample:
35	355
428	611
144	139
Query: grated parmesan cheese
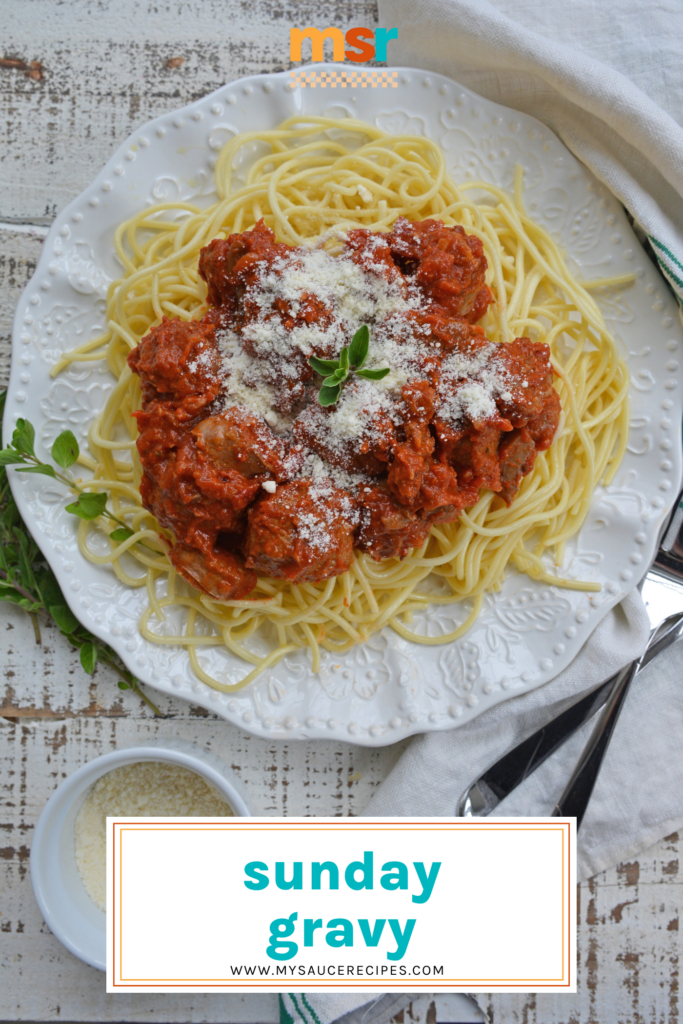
322	473
469	385
144	789
350	295
311	301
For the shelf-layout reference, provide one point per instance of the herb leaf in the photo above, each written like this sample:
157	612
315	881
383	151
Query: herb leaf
10	457
329	395
65	450
338	377
42	469
336	371
323	366
373	374
358	350
64	617
88	654
120	533
88	506
23	438
26	580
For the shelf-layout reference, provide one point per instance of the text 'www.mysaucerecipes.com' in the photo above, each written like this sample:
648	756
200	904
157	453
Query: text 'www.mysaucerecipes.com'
337	971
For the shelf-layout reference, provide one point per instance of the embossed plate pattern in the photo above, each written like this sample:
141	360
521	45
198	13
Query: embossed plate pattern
388	688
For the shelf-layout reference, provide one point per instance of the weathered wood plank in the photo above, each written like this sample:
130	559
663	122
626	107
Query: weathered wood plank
629	949
19	255
47	680
107	68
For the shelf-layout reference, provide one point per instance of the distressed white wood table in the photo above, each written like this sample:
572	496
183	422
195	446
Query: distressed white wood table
75	79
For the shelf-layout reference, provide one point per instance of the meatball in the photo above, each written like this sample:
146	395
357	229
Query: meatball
415	478
517	454
387	529
472	453
544	426
418	400
357	433
452	333
447	264
370	250
229	266
239	441
178	359
220	574
442	495
186	485
174	486
279	328
410	331
426	485
303	533
405	475
526	365
197	521
161	428
193	487
410	457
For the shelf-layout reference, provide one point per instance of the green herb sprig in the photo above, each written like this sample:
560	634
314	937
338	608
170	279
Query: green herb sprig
337	371
26	580
65	451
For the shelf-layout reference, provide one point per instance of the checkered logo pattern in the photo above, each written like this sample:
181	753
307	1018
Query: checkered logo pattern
343	79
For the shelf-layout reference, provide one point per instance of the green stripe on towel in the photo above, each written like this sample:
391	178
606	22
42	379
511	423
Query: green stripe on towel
664	249
301	1013
672	277
310	1009
285	1015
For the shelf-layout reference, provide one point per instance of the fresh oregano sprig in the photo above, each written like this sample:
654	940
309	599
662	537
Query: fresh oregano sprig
65	451
337	371
26	579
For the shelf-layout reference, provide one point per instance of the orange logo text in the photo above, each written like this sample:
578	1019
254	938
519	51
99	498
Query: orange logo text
366	44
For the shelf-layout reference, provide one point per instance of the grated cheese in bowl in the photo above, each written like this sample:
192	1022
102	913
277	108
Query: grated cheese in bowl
143	789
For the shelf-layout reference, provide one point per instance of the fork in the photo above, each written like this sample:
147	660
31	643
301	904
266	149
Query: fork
662	591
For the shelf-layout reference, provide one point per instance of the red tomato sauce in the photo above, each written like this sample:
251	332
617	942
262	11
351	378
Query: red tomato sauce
252	475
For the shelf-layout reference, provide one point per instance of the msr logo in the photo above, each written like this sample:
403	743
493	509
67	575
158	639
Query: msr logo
367	44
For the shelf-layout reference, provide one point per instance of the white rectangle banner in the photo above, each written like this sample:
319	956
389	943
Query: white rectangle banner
341	904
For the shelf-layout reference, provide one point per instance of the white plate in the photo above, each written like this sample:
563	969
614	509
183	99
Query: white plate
388	688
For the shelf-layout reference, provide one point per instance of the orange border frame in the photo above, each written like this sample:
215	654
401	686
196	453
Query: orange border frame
339	983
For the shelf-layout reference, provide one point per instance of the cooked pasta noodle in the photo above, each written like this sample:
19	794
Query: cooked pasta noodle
311	179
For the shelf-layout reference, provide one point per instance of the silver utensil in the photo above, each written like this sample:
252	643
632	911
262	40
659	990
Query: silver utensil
662	591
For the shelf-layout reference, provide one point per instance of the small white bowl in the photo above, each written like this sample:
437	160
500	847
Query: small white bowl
67	909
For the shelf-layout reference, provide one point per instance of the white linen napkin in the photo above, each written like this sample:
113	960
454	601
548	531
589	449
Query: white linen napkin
607	79
640	788
319	1008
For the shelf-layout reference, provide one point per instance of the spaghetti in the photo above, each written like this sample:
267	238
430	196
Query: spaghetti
319	178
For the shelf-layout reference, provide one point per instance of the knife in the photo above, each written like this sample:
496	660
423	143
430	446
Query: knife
662	591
